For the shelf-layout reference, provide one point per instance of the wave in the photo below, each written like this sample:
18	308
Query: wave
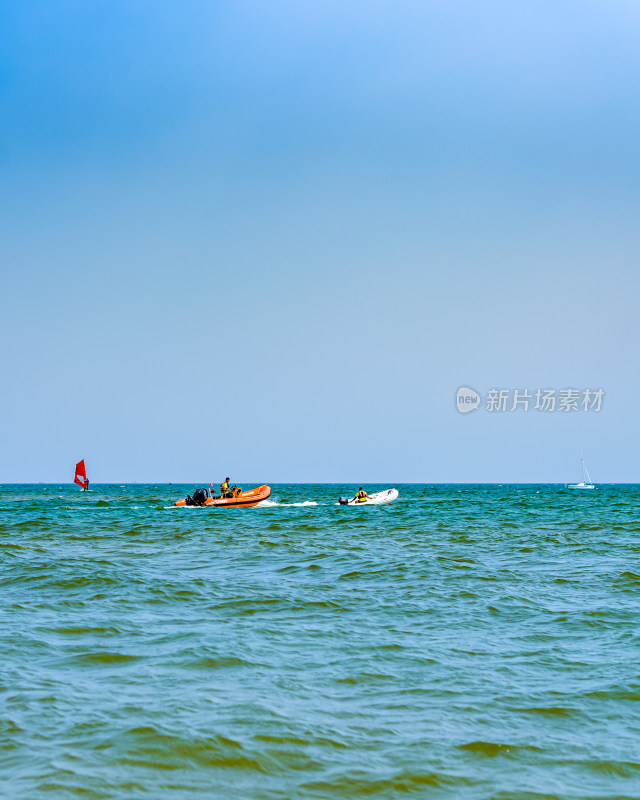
406	782
151	747
102	657
492	749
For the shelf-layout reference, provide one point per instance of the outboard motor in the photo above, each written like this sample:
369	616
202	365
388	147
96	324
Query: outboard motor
344	501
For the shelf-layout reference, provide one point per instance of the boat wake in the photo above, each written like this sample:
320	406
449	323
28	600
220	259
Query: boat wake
274	503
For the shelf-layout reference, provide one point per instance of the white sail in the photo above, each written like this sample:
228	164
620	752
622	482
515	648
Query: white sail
585	483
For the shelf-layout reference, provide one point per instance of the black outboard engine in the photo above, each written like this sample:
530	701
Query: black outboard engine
344	501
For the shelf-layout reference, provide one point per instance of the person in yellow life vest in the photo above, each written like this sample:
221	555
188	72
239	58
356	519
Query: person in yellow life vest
225	491
362	496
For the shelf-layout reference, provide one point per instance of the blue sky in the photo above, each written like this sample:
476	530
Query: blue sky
271	239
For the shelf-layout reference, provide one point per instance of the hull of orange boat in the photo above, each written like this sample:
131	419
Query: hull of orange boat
246	500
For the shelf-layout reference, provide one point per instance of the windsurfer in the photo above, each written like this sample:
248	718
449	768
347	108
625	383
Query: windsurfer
80	477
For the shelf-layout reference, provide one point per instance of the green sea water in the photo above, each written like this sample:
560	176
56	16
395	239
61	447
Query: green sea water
464	642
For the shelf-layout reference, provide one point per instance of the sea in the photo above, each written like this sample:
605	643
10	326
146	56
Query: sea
465	641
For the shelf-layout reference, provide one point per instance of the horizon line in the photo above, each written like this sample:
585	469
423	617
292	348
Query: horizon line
321	483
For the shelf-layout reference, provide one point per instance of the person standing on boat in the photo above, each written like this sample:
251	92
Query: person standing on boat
225	491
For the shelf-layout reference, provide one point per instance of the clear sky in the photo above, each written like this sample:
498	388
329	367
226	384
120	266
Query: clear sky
270	239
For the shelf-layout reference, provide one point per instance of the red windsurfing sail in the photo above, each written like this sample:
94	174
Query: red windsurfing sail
81	475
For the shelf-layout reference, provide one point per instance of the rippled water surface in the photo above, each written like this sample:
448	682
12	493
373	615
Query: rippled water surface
464	642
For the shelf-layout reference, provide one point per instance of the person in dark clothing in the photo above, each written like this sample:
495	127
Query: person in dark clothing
199	497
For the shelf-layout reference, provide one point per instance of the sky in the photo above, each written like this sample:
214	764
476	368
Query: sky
270	240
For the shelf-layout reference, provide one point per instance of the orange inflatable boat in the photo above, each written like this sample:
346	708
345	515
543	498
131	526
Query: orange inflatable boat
247	499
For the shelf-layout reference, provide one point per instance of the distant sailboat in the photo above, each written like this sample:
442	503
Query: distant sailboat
81	475
585	483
